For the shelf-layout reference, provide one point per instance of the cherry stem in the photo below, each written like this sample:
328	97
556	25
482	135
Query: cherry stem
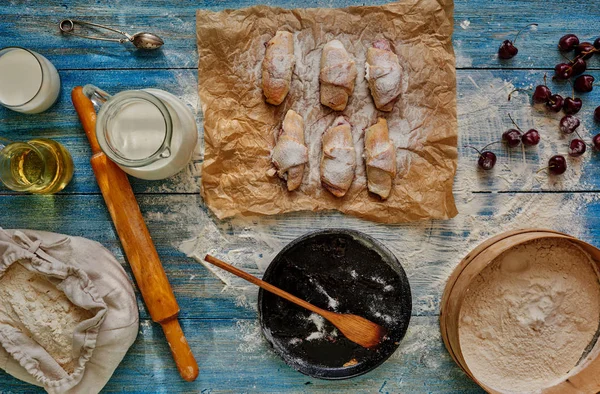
570	61
581	138
542	169
517	90
472	147
517	36
491	143
513	122
545	82
572	88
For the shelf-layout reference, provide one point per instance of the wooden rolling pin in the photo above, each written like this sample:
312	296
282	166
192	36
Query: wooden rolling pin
139	248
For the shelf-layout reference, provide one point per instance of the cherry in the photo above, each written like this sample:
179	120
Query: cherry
597	114
563	71
512	137
578	66
576	147
585	50
508	50
531	138
572	105
487	160
568	124
584	83
557	165
596	141
541	94
597	43
568	42
555	103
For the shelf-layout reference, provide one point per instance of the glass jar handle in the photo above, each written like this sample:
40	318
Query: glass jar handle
96	95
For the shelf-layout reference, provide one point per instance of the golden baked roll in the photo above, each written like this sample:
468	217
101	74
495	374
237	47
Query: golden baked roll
380	159
290	153
338	160
278	66
337	76
383	73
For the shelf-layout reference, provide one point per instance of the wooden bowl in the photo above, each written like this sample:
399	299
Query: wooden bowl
584	378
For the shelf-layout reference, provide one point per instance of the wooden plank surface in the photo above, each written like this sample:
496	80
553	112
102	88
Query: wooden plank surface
221	322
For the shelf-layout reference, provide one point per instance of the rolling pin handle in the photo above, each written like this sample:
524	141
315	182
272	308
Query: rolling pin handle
180	349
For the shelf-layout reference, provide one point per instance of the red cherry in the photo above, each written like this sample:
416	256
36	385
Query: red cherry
557	165
512	137
568	42
597	114
507	50
576	147
585	50
531	138
555	103
487	160
572	105
596	141
563	71
568	124
584	83
541	94
578	66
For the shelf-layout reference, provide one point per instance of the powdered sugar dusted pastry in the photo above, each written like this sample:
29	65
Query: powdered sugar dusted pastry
337	76
290	153
380	158
383	75
277	67
338	161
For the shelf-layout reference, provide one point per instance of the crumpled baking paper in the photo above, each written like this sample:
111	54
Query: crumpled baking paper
240	128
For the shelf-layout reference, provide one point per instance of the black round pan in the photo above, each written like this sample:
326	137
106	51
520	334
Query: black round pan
342	271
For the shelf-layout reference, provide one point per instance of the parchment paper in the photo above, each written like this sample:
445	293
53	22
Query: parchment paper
240	128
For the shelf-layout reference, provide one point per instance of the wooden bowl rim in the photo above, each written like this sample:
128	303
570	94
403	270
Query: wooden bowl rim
592	359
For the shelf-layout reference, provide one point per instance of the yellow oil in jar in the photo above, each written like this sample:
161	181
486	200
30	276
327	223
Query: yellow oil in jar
39	166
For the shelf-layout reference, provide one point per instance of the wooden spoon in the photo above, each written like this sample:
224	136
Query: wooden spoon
357	329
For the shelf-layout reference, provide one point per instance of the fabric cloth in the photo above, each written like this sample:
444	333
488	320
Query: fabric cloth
96	297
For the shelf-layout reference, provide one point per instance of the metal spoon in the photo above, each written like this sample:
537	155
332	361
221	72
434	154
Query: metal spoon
142	40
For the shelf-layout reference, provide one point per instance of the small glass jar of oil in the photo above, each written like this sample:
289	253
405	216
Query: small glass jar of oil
39	166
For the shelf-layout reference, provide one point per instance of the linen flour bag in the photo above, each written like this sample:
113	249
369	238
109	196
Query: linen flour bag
68	313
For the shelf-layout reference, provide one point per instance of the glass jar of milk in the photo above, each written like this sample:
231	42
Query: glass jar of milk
29	83
149	133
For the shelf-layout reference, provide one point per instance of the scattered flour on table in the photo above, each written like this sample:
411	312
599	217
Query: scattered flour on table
428	250
528	317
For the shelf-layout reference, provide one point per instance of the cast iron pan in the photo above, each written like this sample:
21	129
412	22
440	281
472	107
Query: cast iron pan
343	271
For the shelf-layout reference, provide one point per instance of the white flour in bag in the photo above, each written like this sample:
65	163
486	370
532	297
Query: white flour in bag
45	313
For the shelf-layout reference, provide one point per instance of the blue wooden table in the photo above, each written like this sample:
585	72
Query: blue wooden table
220	321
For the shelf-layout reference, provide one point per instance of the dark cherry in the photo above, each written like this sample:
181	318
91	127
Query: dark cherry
507	50
487	160
584	83
576	147
541	94
512	137
568	124
555	103
563	71
557	165
578	66
572	105
596	141
585	49
597	43
568	42
531	138
597	114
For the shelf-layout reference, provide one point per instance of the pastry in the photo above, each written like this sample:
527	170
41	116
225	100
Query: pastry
277	67
380	159
382	72
338	161
337	76
290	153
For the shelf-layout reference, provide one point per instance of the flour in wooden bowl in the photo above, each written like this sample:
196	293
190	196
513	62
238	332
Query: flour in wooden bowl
529	316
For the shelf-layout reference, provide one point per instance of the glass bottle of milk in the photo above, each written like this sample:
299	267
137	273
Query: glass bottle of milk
29	83
149	133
